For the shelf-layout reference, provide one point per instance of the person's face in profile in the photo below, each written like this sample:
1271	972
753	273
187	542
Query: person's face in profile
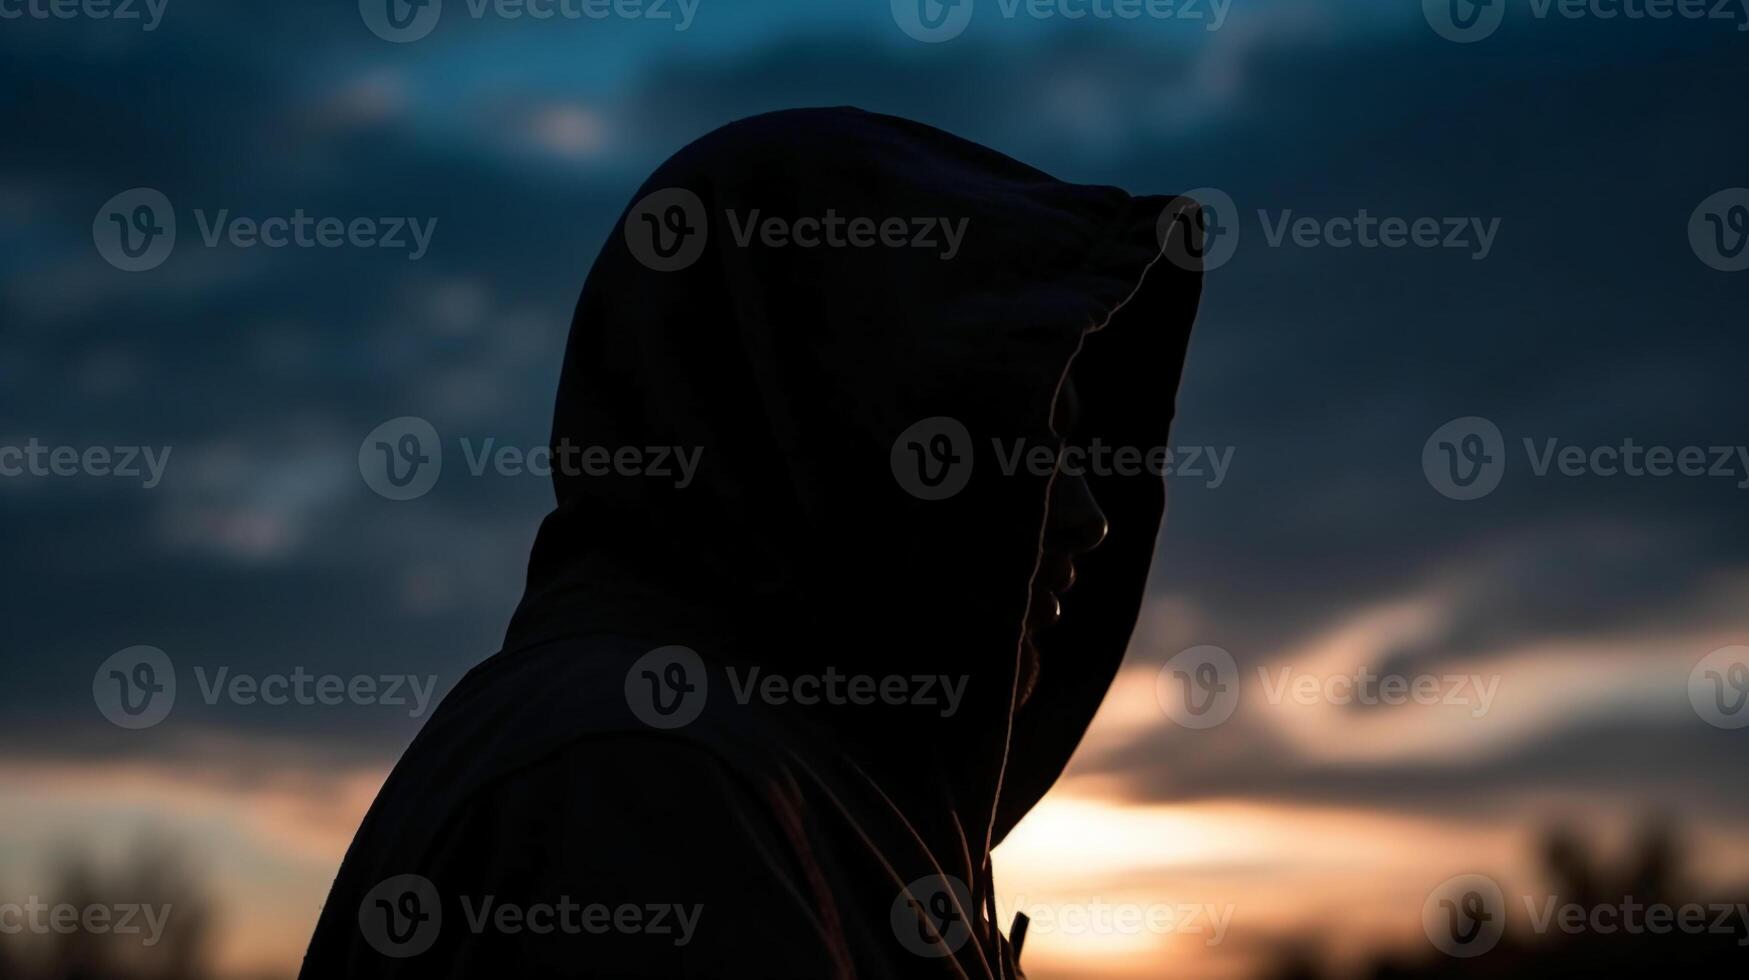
1074	525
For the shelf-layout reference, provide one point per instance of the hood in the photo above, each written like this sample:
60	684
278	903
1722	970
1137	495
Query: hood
784	300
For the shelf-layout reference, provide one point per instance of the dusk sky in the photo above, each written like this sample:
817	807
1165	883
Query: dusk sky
1561	616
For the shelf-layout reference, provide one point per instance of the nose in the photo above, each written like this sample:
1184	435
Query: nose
1076	523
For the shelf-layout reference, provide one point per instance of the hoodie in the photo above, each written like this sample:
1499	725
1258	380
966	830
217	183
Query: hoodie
766	718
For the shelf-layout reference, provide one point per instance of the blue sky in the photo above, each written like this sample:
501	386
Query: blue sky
1587	143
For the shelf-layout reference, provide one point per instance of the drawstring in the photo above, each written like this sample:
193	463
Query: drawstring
1016	932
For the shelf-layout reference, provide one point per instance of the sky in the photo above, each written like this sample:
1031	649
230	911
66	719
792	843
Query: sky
1575	301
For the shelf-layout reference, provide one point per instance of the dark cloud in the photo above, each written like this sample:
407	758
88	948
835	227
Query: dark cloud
1326	369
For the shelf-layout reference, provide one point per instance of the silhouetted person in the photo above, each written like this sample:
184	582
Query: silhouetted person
660	729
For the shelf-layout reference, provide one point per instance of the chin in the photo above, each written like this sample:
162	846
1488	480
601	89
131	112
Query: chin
1029	670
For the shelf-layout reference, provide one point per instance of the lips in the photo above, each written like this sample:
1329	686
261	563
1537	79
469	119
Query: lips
1056	574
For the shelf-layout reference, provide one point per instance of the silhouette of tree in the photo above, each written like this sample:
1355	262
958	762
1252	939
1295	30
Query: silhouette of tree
1651	874
155	872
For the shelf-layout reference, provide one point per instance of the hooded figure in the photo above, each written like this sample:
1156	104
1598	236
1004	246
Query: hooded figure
789	662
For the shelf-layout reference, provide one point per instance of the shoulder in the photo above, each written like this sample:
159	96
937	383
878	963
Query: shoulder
688	857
